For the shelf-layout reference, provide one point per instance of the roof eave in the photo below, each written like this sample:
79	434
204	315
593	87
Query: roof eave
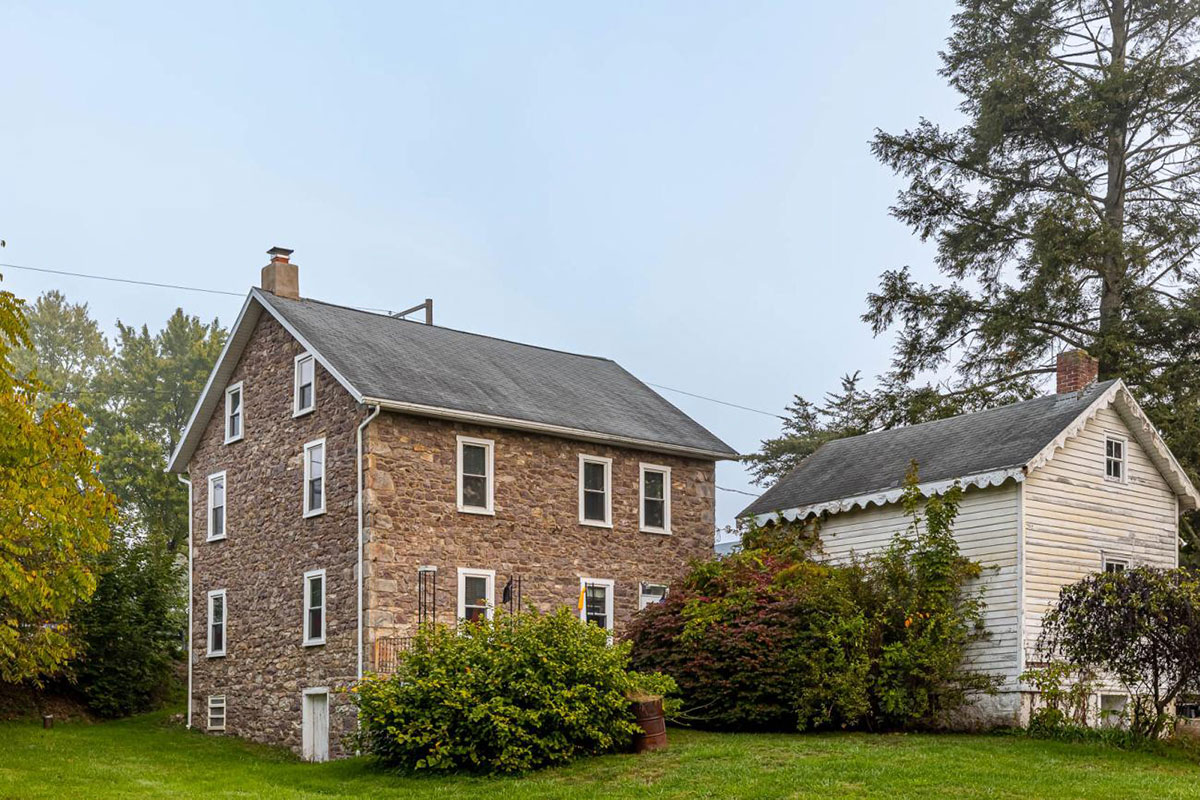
565	432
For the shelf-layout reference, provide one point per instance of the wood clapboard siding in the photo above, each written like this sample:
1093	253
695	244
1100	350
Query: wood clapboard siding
986	530
1074	516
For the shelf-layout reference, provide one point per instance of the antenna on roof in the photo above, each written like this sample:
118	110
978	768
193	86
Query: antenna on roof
427	305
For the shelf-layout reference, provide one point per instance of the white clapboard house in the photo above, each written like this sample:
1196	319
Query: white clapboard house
1055	488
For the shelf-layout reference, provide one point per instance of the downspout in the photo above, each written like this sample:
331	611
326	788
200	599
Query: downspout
359	461
188	483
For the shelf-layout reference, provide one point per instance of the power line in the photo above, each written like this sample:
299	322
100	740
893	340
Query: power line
737	491
715	400
181	287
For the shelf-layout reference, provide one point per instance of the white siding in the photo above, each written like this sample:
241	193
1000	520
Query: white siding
986	531
1074	517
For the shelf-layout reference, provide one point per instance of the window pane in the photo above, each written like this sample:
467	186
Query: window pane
654	485
475	591
218	638
593	506
316	461
315	498
596	604
474	491
306	372
593	476
218	492
474	460
314	623
235	402
656	513
306	396
474	613
315	591
218	609
218	521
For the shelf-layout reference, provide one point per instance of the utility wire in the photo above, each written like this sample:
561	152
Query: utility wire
737	491
381	310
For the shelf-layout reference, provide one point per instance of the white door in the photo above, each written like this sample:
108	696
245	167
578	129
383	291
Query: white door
316	725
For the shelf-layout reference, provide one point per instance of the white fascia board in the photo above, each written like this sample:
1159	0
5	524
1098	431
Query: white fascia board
494	421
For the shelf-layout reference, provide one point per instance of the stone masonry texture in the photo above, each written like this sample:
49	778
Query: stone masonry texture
412	520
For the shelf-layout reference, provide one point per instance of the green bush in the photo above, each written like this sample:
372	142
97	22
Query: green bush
506	695
773	637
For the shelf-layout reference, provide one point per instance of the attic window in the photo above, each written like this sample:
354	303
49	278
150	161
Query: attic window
233	413
306	385
1114	458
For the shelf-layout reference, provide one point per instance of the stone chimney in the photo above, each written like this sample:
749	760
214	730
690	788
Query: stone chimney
281	277
1076	370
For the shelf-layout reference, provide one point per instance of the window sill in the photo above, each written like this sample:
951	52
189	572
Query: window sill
220	538
303	412
314	513
237	438
657	531
591	523
217	655
314	643
487	512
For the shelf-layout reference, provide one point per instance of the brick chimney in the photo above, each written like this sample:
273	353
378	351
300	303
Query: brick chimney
281	277
1076	370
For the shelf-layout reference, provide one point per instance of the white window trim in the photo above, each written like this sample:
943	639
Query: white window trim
312	512
1116	437
666	472
490	446
642	593
309	639
217	701
225	485
224	623
607	462
237	387
1106	559
467	572
608	599
297	411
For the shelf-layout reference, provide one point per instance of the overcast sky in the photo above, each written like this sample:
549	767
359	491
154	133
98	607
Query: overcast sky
683	187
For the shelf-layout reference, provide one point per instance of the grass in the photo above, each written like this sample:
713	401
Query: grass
146	757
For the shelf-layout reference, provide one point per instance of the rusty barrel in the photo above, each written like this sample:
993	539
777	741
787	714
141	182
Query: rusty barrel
648	714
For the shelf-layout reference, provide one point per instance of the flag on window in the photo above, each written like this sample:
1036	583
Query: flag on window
582	592
506	595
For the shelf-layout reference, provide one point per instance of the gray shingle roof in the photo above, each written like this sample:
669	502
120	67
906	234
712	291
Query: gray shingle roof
970	444
408	362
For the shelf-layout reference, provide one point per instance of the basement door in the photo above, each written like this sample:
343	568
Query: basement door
316	725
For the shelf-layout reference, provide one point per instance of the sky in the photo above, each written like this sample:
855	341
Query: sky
684	187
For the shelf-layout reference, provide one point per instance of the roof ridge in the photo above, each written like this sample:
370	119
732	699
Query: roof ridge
965	414
440	327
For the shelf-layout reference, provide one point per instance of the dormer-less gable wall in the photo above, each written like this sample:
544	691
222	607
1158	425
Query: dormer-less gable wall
1076	518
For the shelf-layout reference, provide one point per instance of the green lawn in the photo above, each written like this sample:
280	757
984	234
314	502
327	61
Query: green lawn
145	757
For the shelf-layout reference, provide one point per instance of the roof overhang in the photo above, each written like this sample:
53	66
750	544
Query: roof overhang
1118	396
239	337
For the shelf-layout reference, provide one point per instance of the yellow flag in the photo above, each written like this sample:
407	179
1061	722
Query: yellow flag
582	589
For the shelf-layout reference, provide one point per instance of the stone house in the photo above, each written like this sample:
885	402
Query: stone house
353	475
1056	487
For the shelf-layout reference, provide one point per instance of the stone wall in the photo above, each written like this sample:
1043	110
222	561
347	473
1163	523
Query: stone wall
270	545
413	520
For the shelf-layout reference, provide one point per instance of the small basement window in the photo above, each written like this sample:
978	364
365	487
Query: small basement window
233	413
1114	458
314	478
216	712
216	506
305	399
1115	565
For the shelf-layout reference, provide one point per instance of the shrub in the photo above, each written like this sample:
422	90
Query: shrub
771	637
505	695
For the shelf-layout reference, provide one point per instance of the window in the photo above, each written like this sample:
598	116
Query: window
596	601
651	593
216	712
1114	565
595	490
216	506
216	623
233	413
305	399
314	478
1114	460
656	499
475	465
314	607
476	593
